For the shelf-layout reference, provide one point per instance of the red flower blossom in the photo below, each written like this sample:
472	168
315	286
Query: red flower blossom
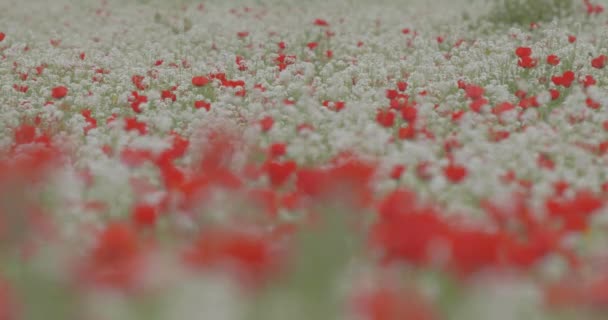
385	118
397	171
138	82
21	88
2	36
312	45
144	215
553	60
133	124
407	232
335	105
277	150
477	104
503	107
409	114
588	81
527	62
564	80
455	173
240	62
92	122
136	100
59	92
249	255
599	62
523	52
283	61
529	102
279	172
407	132
402	86
592	103
200	81
574	213
116	259
348	178
202	104
474	92
321	23
168	94
266	123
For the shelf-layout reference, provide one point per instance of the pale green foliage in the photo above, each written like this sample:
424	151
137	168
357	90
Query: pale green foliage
524	12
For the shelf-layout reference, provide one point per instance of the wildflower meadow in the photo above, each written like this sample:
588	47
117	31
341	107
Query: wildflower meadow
303	160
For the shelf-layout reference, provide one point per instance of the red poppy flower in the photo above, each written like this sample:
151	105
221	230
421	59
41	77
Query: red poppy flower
474	92
385	118
408	132
564	80
588	81
115	261
397	171
277	150
321	23
249	255
312	45
503	107
279	172
144	215
477	104
21	88
202	104
59	92
200	81
409	113
168	94
592	103
455	173
599	62
527	62
136	100
132	124
240	62
266	123
336	105
523	52
553	60
402	85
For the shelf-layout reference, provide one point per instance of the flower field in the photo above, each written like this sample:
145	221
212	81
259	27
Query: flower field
271	160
